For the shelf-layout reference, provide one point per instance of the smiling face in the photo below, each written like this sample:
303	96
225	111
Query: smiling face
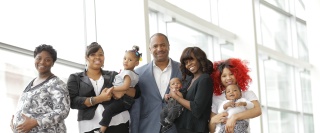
159	48
95	60
193	65
130	60
233	92
43	62
227	77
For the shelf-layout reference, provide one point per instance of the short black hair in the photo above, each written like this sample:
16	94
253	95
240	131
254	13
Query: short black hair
159	34
48	48
92	48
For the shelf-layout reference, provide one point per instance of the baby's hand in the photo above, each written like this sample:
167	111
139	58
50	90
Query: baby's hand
166	97
241	104
228	104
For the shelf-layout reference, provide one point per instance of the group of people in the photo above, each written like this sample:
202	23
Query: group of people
161	96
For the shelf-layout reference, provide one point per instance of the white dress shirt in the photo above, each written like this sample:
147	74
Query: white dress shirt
162	77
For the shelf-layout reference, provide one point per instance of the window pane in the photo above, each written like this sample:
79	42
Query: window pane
153	22
279	85
282	4
282	122
300	9
28	24
227	50
306	91
302	42
117	31
181	37
200	8
308	124
275	30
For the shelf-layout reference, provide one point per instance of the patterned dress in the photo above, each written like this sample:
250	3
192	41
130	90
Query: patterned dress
48	103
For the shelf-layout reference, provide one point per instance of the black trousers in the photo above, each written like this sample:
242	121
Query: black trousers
121	128
114	108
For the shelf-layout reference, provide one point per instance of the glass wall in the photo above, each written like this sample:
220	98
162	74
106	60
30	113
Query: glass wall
280	89
68	26
27	24
180	36
275	29
285	85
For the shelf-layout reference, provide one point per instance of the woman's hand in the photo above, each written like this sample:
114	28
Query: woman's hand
219	118
27	125
175	94
231	123
106	94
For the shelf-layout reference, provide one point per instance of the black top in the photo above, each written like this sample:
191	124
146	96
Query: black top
80	88
200	97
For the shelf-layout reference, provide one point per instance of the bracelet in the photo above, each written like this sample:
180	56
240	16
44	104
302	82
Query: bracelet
91	101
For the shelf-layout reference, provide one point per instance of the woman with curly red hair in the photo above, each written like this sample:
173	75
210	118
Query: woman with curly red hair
232	71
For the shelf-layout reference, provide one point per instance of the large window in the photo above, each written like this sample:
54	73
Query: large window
27	24
180	36
282	122
275	30
194	6
119	27
303	51
280	89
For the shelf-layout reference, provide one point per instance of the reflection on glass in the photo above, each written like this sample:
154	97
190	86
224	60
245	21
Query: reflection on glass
308	124
306	91
275	30
300	9
282	4
181	37
193	7
282	122
279	85
303	51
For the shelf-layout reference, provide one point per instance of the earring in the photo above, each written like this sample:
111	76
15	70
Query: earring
86	67
220	88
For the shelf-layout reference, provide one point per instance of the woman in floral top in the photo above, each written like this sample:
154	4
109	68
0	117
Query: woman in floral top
45	102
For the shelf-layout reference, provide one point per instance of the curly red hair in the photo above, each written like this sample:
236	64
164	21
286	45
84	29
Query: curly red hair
238	67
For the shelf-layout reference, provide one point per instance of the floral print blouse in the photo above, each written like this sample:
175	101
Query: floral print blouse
48	103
